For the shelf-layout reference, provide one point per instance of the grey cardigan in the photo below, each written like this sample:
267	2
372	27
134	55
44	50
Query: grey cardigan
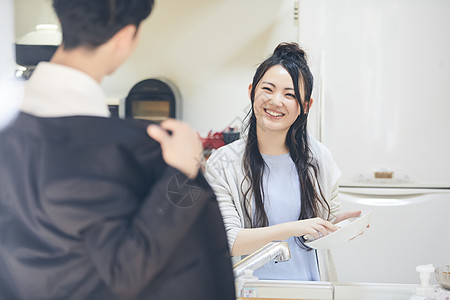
224	172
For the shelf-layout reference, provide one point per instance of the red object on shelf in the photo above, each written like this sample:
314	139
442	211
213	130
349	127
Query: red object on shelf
213	141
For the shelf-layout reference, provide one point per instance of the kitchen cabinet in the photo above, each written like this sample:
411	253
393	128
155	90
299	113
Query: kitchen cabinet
280	289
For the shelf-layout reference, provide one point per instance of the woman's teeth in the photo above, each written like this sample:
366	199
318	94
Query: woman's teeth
273	113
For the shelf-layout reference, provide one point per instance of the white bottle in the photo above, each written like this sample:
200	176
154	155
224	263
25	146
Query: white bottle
424	290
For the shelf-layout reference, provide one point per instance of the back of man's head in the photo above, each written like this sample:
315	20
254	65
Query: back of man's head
91	23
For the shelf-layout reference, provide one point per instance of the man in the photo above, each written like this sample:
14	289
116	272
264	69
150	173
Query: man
88	207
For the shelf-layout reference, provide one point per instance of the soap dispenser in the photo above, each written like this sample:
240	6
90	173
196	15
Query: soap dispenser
424	290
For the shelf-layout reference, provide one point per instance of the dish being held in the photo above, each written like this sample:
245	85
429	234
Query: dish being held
348	229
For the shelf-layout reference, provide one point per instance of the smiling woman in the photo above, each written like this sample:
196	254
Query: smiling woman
278	183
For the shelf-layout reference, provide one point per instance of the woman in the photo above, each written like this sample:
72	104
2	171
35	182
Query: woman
279	183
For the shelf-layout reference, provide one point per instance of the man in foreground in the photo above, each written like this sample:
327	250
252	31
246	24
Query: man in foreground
89	209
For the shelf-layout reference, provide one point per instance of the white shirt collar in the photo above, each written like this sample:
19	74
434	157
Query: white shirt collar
59	91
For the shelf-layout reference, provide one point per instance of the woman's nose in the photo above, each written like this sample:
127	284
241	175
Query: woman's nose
277	100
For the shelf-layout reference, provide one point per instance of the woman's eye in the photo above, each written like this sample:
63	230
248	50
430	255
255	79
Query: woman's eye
290	96
267	89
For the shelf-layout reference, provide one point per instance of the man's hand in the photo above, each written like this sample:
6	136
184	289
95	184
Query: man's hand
181	148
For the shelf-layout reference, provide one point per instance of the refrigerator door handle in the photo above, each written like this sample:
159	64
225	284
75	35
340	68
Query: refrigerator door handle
375	191
321	96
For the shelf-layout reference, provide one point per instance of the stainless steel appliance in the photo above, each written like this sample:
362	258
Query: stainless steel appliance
154	99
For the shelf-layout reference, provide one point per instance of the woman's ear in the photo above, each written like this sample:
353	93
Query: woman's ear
309	104
250	92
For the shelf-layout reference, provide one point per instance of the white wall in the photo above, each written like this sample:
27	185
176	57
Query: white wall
209	48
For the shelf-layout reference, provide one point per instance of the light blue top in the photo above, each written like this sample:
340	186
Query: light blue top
282	204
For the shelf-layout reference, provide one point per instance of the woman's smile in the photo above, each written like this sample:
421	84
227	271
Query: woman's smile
273	113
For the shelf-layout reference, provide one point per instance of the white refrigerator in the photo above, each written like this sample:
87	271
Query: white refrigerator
382	106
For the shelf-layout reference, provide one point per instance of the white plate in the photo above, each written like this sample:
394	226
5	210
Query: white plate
349	228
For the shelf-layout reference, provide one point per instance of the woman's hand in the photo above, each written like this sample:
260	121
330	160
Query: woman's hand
312	228
345	215
248	240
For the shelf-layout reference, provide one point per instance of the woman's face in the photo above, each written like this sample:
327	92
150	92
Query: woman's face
275	105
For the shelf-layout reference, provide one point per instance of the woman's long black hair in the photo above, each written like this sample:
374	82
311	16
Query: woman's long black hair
292	58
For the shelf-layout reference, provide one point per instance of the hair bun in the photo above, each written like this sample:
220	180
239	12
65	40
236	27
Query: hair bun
289	51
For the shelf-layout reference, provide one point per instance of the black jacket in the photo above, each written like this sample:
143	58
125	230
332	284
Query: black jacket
89	210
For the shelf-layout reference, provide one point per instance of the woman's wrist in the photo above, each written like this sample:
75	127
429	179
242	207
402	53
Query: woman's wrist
287	230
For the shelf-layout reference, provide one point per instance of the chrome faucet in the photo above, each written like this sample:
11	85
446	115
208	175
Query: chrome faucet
278	251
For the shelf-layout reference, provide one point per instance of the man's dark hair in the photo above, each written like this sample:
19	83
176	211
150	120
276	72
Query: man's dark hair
91	23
